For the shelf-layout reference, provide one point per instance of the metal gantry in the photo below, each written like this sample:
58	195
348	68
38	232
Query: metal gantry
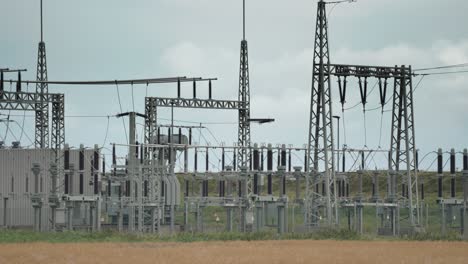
33	102
320	162
403	145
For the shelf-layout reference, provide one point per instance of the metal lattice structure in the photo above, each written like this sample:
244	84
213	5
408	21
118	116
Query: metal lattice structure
403	144
42	108
152	103
31	101
41	138
151	124
320	162
243	134
320	143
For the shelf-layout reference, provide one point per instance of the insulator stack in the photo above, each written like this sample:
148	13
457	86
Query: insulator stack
180	135
305	161
283	164
383	91
289	161
137	149
195	163
255	168
66	166
190	136
342	90
1	85
81	169
363	161
178	88
18	83
269	169
465	159
417	160
114	159
234	163
439	171
209	89
194	89
363	90
96	169
261	159
452	173
142	154
256	161
223	159
207	168
344	162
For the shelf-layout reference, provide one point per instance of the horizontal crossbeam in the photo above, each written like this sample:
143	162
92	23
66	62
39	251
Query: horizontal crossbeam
368	71
25	101
196	103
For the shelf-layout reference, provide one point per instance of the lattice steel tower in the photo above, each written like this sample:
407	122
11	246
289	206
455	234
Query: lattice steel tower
403	144
42	112
320	162
243	152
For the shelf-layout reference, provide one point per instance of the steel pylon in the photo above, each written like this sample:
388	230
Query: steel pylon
320	161
403	144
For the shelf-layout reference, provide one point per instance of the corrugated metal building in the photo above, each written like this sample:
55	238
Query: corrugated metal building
18	183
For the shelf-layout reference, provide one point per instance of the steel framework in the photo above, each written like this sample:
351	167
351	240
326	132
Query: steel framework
320	142
33	102
151	105
41	138
320	162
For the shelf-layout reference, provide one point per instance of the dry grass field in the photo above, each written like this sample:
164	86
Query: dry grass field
268	252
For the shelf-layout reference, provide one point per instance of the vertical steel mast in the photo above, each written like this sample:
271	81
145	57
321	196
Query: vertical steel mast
42	109
243	152
320	162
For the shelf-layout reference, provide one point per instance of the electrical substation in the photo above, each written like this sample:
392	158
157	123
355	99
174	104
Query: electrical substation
166	184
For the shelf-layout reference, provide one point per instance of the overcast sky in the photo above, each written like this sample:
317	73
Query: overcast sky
117	39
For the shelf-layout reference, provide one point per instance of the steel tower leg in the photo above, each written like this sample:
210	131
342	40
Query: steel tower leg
320	142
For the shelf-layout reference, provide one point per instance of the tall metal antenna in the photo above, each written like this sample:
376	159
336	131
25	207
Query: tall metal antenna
42	38
243	19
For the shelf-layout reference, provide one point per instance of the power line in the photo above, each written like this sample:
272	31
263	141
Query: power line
440	73
444	67
130	81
